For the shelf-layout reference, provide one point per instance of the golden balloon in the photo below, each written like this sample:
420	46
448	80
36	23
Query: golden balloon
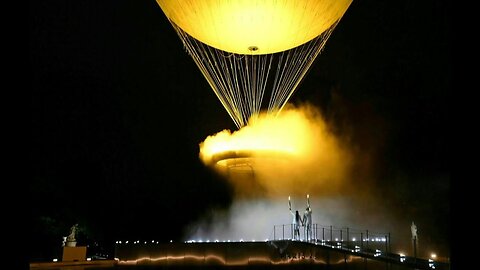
254	26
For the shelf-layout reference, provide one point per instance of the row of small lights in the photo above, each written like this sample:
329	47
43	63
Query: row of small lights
366	240
56	260
354	240
356	249
138	242
189	241
369	240
223	241
241	240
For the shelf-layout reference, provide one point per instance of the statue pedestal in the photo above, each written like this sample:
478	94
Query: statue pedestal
71	243
74	254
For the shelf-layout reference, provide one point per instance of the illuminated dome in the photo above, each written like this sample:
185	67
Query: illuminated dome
254	26
253	53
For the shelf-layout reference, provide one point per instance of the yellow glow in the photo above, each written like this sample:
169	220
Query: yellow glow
254	26
268	134
219	259
306	156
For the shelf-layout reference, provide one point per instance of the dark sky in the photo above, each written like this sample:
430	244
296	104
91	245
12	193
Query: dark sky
119	108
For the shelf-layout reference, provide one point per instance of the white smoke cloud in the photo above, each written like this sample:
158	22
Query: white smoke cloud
323	166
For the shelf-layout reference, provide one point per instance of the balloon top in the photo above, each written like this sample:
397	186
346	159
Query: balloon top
254	26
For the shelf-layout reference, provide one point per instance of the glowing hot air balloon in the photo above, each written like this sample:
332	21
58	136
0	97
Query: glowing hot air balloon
251	51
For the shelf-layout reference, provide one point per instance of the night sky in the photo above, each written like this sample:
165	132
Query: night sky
119	109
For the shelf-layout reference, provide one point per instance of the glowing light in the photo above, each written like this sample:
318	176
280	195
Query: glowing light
353	239
170	241
278	148
254	27
126	242
433	255
55	260
234	42
89	259
210	257
268	135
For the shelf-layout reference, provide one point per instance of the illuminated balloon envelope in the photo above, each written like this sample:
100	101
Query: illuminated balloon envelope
244	47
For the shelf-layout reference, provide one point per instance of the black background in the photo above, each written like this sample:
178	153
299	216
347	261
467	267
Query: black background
119	108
